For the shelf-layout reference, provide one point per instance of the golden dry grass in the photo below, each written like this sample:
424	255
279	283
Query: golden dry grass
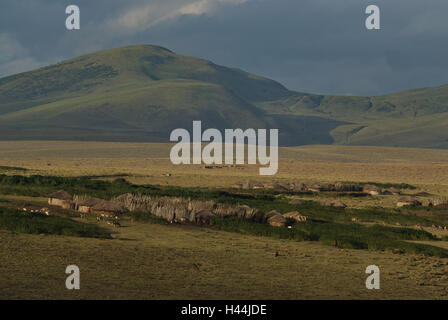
146	261
149	163
172	262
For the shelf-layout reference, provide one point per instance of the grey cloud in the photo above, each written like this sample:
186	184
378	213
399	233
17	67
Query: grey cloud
316	46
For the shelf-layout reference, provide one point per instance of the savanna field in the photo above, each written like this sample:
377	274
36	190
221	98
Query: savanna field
231	258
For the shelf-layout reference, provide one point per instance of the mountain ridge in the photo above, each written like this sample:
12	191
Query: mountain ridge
142	93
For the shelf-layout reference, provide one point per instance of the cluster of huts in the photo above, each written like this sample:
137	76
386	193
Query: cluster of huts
316	187
192	211
85	205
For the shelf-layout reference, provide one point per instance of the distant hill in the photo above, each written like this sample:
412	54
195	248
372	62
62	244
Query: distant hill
142	93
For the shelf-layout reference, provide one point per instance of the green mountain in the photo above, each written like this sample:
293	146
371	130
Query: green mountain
142	93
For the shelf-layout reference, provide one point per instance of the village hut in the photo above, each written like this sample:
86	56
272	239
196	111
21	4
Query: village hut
295	216
86	206
60	198
371	189
408	201
108	208
277	221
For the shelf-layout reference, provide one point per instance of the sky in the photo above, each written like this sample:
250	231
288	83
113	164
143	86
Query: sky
313	46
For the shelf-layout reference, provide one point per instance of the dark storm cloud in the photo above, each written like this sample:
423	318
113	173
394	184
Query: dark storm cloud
316	46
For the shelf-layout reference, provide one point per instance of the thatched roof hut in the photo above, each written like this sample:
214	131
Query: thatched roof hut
87	205
295	202
90	202
108	207
60	198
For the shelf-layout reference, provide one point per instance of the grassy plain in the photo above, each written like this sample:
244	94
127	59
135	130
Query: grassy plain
148	163
150	261
153	261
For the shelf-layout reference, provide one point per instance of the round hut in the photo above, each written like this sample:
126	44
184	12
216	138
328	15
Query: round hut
60	198
86	206
108	209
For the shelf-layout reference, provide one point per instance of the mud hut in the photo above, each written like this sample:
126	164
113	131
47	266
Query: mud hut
60	198
86	206
108	208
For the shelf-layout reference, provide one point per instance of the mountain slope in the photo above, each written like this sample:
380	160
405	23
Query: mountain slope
142	93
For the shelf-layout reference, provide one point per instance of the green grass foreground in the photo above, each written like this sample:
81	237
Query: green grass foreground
36	223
